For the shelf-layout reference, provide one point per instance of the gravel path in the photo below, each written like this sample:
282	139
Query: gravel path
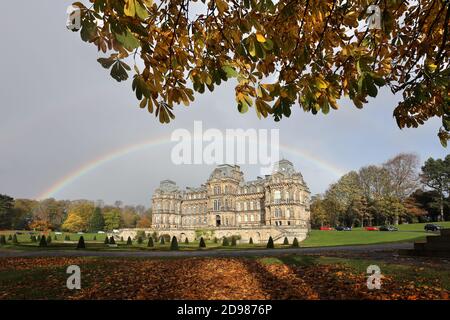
207	253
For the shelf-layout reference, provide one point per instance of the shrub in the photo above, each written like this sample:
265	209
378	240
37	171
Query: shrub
150	242
55	237
49	239
139	240
95	238
106	240
111	240
141	233
225	242
121	239
81	244
286	241
186	241
129	242
174	243
33	238
295	243
38	239
2	240
216	240
67	238
233	241
42	241
270	243
10	237
161	240
14	239
250	241
202	243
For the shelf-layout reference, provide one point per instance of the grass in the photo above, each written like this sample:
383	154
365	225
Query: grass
316	238
358	236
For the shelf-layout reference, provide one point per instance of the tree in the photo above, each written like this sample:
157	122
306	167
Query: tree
233	241
112	241
250	241
74	223
295	243
139	240
129	242
2	240
174	243
277	58
81	244
14	239
403	174
22	213
144	222
161	240
97	222
6	211
319	215
150	242
202	243
225	242
112	218
49	239
43	241
186	241
106	240
285	241
270	244
436	176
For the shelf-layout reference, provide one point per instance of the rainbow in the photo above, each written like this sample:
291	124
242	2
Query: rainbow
115	154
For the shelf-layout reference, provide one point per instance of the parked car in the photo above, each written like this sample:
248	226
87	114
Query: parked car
326	228
342	228
388	228
371	229
432	227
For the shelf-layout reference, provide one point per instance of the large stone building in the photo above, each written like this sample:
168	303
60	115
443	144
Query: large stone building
276	205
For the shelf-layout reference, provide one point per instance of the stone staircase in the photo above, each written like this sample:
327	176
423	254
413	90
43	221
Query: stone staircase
434	246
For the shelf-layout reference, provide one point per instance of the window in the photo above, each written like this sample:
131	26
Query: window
251	205
288	213
239	219
252	218
245	206
277	196
246	218
238	206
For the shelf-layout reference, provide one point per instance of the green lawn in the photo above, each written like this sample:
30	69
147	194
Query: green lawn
407	232
316	238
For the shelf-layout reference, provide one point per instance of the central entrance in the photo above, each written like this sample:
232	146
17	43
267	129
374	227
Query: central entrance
217	221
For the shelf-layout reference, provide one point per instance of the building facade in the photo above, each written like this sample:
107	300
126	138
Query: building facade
225	200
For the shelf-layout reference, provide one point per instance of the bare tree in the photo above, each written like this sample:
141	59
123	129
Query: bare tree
403	174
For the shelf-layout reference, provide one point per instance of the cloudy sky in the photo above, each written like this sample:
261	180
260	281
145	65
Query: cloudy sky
70	131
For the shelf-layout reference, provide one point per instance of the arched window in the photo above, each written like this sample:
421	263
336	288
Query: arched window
246	218
252	218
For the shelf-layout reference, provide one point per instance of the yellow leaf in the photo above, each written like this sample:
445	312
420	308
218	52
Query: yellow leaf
260	38
130	8
222	6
